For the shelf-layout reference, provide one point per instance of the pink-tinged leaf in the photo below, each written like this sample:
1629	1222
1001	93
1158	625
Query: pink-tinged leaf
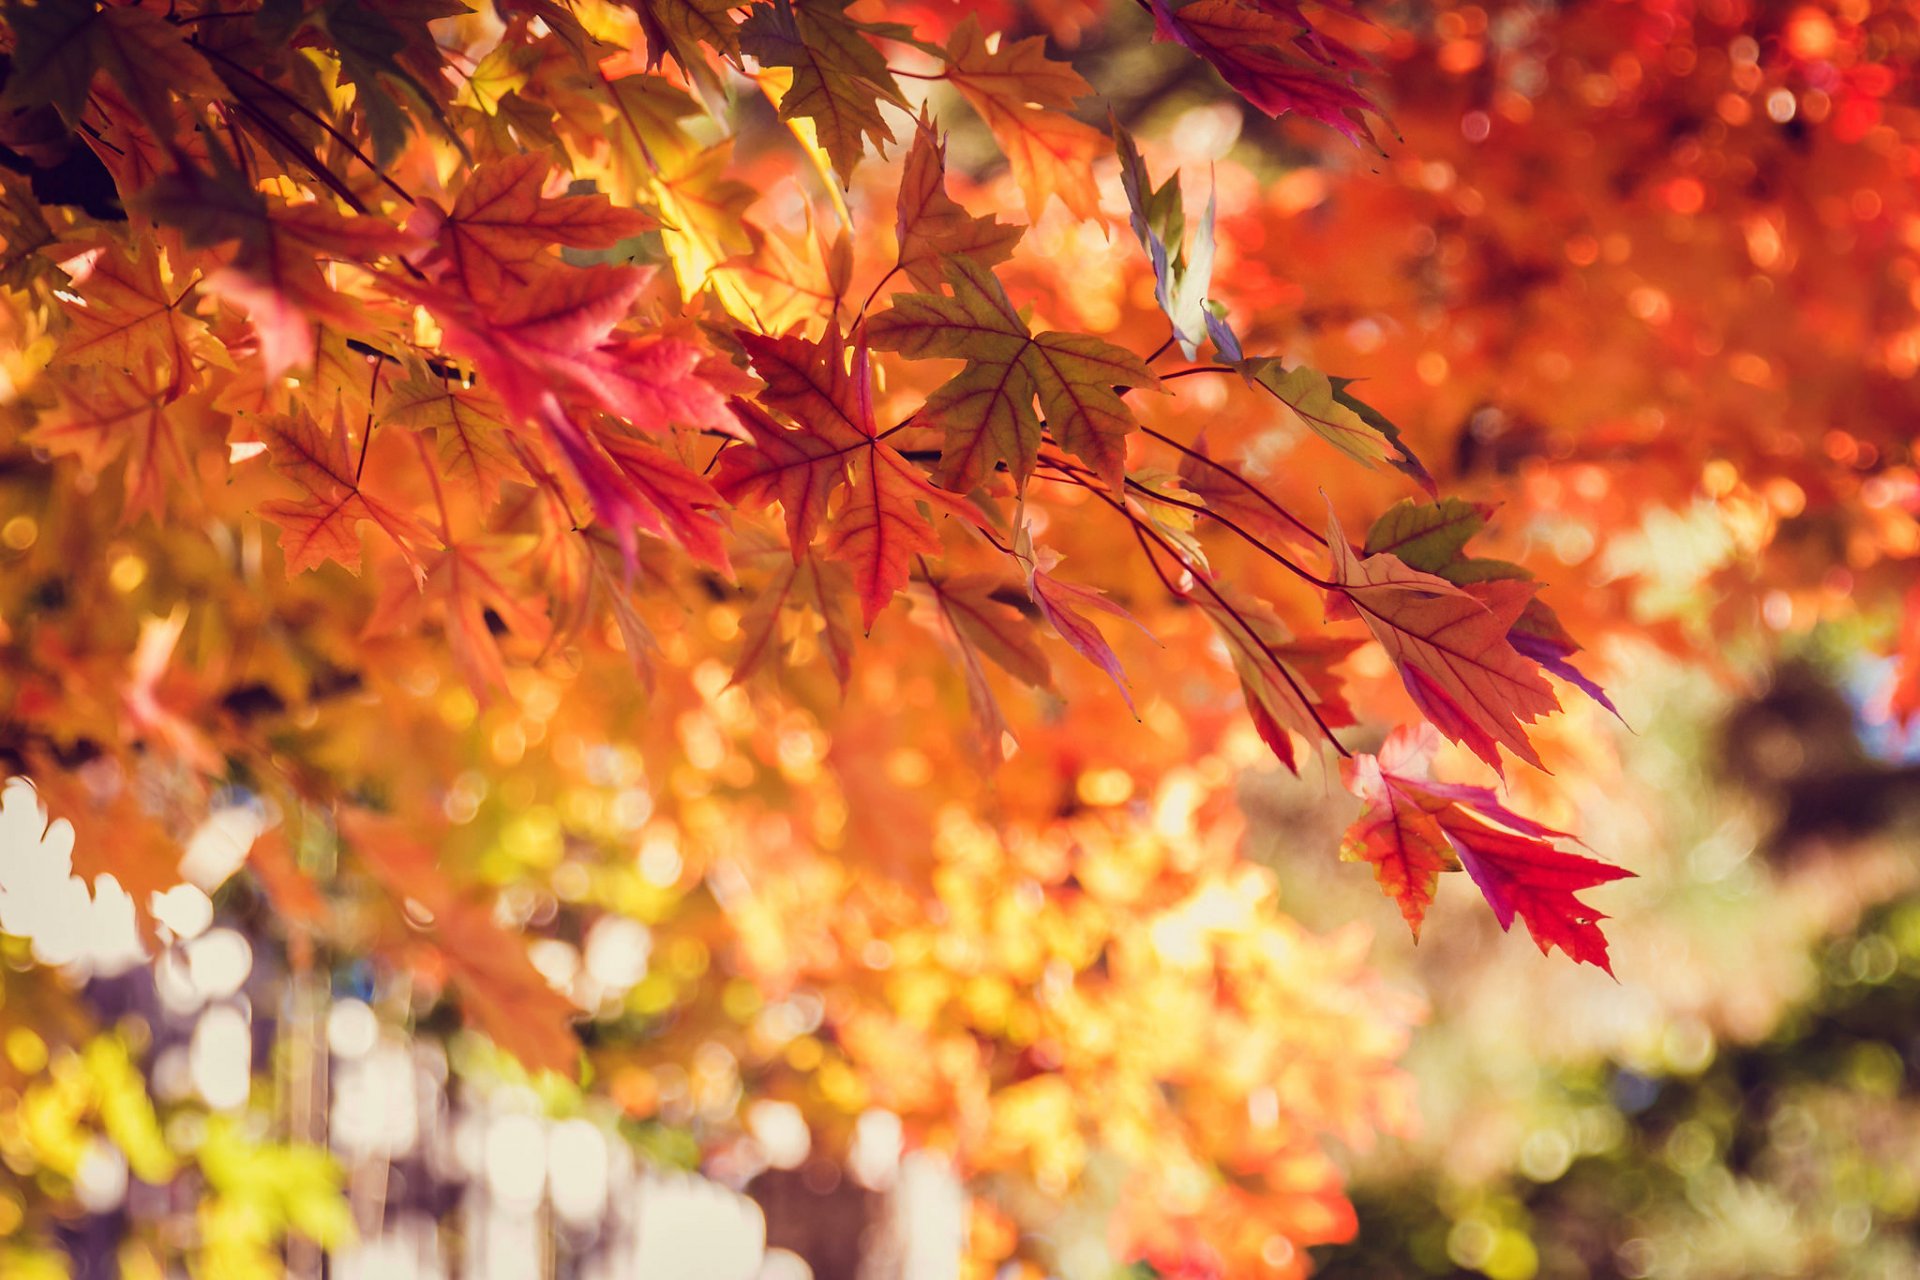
1554	657
676	503
1245	43
549	345
1278	740
1450	647
1061	603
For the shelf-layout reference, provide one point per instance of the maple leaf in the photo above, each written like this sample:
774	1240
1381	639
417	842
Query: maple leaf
799	469
987	411
551	340
789	278
60	49
677	28
129	313
1413	828
375	52
1450	647
501	226
1181	273
114	834
1024	97
1288	681
1428	536
979	622
275	273
1062	603
469	426
499	989
1528	877
1244	42
1433	536
548	345
704	215
674	502
323	524
470	583
24	232
879	528
1398	834
101	411
1317	405
839	77
811	590
981	609
930	224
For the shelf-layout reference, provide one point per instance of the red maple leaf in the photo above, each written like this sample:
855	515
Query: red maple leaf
880	525
1413	828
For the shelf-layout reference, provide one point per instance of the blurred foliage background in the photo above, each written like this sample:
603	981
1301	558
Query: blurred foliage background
1743	1102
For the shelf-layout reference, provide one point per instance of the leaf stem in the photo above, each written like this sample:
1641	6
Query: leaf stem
875	292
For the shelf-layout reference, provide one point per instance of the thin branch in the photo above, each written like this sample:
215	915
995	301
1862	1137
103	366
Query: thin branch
1245	536
1143	528
879	285
1201	368
312	115
1086	477
366	432
1237	478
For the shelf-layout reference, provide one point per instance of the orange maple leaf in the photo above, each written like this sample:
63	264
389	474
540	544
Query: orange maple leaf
323	524
501	226
1025	97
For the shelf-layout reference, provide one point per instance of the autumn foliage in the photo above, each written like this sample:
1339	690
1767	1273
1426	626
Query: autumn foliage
562	460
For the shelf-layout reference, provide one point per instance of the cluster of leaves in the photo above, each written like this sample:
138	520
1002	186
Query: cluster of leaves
279	289
514	327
